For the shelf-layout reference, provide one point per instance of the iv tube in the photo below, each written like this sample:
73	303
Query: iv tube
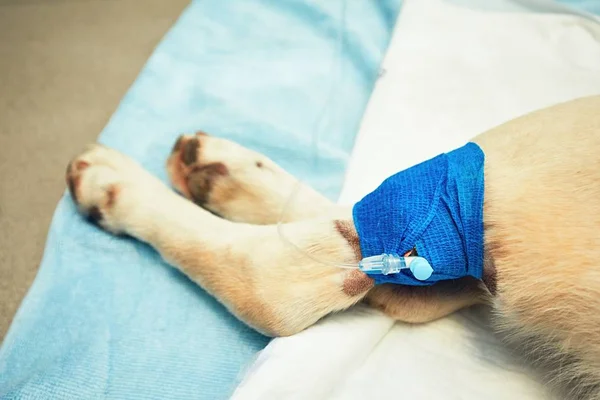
337	61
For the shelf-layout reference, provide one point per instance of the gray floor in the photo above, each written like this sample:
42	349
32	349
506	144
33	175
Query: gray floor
64	66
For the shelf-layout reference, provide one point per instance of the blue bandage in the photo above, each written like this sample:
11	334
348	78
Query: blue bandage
436	208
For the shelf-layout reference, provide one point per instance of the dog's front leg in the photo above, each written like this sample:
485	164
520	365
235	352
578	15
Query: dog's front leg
243	185
262	280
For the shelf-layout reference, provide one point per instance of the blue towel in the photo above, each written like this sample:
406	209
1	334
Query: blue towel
105	317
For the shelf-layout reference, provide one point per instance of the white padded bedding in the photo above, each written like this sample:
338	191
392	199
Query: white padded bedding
451	72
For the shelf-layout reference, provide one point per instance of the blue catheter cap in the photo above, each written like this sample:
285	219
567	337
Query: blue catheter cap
436	208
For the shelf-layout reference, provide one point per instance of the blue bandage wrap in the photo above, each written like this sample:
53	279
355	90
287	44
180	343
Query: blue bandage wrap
435	207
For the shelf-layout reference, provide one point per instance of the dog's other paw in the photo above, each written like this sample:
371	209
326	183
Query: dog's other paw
107	186
235	182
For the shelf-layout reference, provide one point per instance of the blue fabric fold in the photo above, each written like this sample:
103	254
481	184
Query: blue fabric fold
105	317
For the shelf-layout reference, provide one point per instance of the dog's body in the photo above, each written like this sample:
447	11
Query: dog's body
541	219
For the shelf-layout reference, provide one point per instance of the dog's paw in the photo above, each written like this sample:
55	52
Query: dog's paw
107	186
229	180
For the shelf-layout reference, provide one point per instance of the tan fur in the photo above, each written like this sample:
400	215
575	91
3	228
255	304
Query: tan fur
542	212
541	217
415	304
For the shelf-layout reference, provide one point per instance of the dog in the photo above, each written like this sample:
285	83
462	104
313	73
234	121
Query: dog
541	227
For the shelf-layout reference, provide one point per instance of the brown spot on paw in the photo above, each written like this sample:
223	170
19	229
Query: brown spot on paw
259	164
71	182
189	153
81	165
348	231
218	168
111	194
201	179
356	283
72	177
178	144
94	215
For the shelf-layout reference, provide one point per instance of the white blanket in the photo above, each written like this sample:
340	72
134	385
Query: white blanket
451	72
